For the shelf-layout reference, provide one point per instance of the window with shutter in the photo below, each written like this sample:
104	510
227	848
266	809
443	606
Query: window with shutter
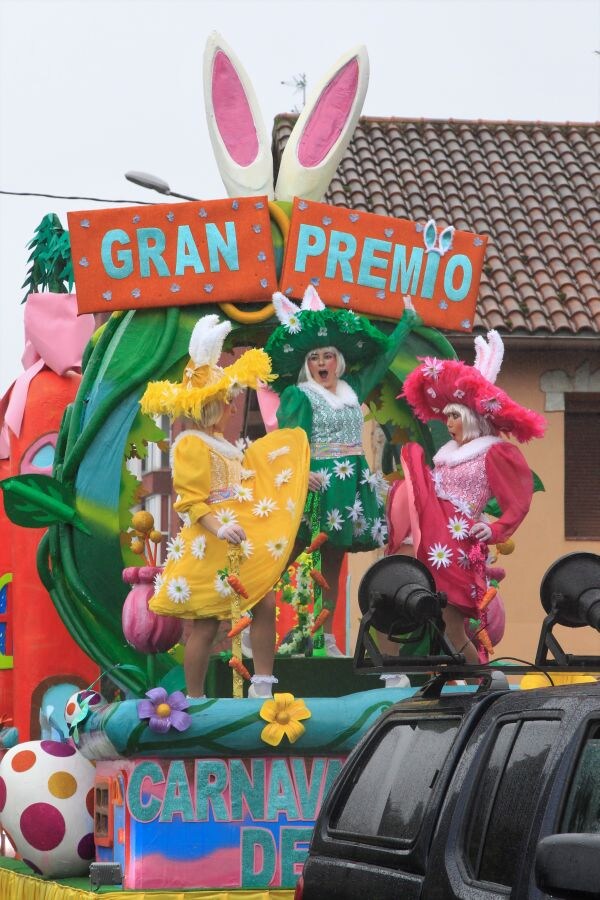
582	466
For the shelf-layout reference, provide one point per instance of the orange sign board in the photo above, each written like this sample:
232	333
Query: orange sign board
171	254
367	263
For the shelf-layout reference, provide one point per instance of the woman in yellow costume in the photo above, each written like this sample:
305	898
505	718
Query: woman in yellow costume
252	498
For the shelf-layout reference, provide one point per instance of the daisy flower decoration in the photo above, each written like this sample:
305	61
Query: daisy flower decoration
226	517
277	548
178	590
458	527
222	587
356	510
283	477
279	451
199	547
247	548
264	507
379	531
176	548
325	478
491	405
335	520
343	469
293	324
432	366
242	493
440	556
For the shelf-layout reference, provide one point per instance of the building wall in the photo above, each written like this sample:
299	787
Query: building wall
541	538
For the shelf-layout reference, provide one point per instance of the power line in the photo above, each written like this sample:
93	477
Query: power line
63	197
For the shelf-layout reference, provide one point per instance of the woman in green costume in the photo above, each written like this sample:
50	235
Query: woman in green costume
311	350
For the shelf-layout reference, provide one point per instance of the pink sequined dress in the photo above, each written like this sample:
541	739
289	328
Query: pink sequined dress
438	507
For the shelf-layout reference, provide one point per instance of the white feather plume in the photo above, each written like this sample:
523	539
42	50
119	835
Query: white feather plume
206	342
489	355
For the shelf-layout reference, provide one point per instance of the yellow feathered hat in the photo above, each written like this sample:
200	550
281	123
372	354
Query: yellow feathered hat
203	380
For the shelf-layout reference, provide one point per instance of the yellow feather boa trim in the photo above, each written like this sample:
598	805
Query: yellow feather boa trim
176	399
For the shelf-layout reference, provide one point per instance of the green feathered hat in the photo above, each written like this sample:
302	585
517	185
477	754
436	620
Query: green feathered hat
312	325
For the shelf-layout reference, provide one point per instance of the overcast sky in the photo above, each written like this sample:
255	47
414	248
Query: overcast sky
90	89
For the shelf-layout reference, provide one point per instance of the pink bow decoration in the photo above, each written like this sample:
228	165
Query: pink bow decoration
55	337
268	403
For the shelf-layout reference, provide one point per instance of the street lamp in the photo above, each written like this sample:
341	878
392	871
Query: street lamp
154	183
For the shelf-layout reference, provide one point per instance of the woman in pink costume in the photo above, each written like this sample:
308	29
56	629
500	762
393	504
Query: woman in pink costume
443	509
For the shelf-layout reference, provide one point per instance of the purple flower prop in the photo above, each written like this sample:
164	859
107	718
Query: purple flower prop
164	710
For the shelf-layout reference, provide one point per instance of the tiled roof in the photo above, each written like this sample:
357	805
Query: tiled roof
533	187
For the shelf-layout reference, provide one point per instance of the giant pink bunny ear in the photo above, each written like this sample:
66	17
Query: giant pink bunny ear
285	308
324	129
311	299
235	124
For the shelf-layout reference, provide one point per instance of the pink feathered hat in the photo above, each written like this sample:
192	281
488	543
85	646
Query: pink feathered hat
438	382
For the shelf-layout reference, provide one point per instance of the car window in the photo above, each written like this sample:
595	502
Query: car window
582	812
506	797
390	792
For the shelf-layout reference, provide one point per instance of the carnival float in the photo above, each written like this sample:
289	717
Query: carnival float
215	794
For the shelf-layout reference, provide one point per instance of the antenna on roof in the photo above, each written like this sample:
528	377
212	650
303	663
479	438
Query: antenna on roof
298	83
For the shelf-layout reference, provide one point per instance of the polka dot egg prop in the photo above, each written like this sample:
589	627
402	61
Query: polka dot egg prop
46	806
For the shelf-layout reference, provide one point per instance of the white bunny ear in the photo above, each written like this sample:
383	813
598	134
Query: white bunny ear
235	124
489	355
324	129
430	235
445	239
284	308
207	339
311	299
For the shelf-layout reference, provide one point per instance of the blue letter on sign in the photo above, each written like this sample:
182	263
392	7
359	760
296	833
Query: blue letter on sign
461	292
116	236
151	252
226	246
307	247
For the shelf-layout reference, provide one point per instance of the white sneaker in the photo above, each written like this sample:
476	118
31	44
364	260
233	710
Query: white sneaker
332	648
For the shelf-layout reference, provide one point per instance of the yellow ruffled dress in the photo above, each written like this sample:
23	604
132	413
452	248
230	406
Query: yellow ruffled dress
263	489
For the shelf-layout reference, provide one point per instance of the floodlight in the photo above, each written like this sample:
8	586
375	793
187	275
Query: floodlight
397	598
570	595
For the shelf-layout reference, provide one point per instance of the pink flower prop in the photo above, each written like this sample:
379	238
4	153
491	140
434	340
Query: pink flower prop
431	366
164	710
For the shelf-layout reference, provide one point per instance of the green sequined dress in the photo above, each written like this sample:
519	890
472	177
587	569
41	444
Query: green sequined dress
351	502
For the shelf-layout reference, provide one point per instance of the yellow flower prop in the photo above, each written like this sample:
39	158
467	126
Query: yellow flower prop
283	713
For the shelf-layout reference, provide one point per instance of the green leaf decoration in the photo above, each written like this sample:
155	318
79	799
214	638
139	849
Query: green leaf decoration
492	508
51	264
144	431
36	501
